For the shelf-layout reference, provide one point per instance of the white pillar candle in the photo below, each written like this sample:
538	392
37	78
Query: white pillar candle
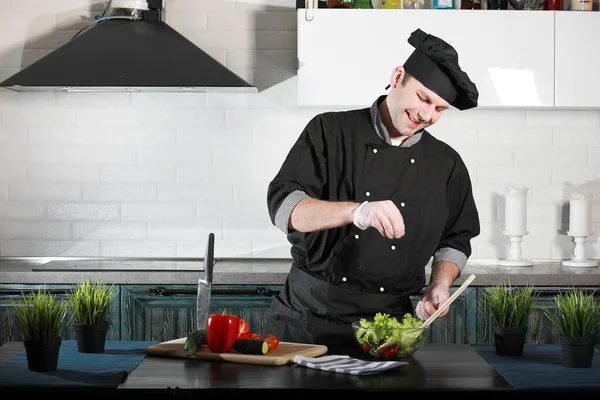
516	210
580	214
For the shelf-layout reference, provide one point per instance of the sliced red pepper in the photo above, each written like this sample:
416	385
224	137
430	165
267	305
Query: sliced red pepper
221	331
244	331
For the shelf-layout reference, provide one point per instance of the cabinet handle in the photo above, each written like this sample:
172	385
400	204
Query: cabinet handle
256	291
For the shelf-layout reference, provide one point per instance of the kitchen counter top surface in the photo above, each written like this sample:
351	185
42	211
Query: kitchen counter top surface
29	270
436	367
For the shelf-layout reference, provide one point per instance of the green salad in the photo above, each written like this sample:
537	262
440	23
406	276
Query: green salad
381	337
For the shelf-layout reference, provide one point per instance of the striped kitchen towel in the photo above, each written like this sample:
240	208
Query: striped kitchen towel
347	365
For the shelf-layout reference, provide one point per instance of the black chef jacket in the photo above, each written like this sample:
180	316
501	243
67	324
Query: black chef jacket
340	157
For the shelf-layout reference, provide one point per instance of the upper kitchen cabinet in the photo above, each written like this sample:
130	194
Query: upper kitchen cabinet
577	59
346	56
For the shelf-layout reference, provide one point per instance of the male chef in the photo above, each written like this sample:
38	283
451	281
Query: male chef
368	197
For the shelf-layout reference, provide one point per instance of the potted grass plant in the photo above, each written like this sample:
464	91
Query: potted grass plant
91	304
42	320
577	315
510	308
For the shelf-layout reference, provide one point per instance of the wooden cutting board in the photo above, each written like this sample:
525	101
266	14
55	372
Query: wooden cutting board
283	354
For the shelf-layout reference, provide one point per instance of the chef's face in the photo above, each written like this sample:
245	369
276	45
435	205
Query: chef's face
411	105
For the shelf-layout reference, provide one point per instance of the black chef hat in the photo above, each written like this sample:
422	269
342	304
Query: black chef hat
434	63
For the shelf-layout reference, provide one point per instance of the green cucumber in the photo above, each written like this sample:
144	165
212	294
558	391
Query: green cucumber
251	346
194	341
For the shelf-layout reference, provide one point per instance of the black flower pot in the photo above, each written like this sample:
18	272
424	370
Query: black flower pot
578	352
42	355
91	338
509	341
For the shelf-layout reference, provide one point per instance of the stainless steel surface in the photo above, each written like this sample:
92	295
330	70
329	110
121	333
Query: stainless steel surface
204	285
252	271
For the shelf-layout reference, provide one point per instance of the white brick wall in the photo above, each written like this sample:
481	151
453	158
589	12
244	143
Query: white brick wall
152	174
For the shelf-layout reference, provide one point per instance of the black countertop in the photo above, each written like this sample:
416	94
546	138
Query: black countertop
435	368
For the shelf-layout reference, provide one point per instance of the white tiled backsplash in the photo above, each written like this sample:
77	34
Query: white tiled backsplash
146	175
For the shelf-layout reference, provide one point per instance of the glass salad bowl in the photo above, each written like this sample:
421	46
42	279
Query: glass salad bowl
389	342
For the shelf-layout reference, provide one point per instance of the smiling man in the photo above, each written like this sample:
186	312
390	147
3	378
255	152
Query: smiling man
367	197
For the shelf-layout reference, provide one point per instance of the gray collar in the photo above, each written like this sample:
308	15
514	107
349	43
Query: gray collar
382	130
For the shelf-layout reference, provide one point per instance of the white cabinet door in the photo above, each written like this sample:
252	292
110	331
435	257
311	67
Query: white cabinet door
346	57
577	59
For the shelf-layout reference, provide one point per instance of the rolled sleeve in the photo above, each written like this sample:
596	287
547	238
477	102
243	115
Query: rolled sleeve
451	255
282	216
303	174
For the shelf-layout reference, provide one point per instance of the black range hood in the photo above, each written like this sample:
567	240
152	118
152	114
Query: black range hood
144	54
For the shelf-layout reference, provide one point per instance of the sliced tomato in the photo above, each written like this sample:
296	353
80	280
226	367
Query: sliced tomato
272	341
256	336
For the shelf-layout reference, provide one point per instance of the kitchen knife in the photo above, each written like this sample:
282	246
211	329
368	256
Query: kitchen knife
204	285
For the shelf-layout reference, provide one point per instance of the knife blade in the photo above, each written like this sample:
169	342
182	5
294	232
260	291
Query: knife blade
204	285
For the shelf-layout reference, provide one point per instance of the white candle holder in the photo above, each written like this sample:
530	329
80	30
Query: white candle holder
579	259
515	259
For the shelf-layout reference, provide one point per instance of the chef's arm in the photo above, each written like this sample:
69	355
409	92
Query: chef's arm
444	271
447	264
300	212
312	215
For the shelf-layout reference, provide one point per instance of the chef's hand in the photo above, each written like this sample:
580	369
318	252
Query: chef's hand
435	295
381	215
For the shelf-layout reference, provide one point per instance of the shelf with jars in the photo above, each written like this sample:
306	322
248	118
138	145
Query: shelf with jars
515	5
518	59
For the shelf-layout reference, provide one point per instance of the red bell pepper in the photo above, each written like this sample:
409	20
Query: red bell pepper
221	331
244	332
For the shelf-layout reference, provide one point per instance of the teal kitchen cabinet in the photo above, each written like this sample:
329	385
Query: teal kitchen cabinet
540	330
9	326
151	312
458	326
162	313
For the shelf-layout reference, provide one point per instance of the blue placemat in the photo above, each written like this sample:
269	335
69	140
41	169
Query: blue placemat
541	368
76	369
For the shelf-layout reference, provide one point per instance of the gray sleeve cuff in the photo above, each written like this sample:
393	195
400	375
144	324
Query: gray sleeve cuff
282	217
451	255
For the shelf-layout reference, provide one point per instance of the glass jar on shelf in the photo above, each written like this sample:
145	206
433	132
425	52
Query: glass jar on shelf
581	5
339	3
362	4
413	4
443	4
391	4
498	4
470	5
554	5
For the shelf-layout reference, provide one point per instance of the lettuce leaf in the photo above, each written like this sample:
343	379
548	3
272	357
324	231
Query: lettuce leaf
381	332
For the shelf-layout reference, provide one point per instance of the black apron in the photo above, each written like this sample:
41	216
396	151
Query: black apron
309	310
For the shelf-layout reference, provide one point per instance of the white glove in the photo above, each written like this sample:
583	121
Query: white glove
381	215
435	295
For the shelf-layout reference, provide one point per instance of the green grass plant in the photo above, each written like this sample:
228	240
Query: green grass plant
91	301
510	306
577	313
40	315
